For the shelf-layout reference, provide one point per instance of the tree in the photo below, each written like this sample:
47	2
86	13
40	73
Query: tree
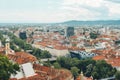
68	62
48	64
61	61
102	70
75	71
57	65
45	54
7	68
16	49
84	63
117	75
36	52
97	69
89	70
2	38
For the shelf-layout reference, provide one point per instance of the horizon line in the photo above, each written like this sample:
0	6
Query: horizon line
54	22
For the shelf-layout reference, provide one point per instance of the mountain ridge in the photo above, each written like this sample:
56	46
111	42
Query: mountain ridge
95	22
73	23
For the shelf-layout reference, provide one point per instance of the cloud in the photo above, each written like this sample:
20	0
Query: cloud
92	9
60	10
91	3
115	1
113	8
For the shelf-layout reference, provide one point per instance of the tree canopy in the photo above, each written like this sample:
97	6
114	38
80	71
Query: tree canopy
96	69
7	68
117	75
102	70
75	71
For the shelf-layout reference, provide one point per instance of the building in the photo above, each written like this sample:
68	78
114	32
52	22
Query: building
81	54
69	31
82	77
7	46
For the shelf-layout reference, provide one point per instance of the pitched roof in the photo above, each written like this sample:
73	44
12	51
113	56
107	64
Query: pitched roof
47	73
22	57
100	57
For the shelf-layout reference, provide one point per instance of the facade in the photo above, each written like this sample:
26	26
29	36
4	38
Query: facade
26	70
7	46
81	54
69	31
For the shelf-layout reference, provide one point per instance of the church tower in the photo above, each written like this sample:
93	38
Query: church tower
81	76
7	46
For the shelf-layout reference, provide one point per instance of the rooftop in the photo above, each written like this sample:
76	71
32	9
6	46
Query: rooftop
22	57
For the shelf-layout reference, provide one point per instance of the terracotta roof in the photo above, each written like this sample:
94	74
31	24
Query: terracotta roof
73	37
100	57
47	73
22	57
76	48
114	62
61	47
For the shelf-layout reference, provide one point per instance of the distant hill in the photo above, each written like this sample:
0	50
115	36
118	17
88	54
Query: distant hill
99	22
66	23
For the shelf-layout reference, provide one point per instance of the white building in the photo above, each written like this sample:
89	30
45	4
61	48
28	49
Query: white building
26	70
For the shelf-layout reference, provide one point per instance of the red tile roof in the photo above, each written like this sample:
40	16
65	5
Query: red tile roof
100	57
22	57
114	62
43	73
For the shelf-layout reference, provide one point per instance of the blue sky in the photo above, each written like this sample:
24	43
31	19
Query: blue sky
44	11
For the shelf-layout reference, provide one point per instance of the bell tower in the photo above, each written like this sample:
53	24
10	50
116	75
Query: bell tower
81	76
7	46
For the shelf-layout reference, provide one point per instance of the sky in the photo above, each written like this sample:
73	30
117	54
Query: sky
49	11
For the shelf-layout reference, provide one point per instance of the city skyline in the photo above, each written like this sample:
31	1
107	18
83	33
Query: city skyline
49	11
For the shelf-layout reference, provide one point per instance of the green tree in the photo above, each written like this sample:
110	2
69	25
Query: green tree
47	63
61	61
102	70
36	52
97	69
57	65
84	63
75	71
7	68
89	70
117	75
13	47
68	62
45	54
2	38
